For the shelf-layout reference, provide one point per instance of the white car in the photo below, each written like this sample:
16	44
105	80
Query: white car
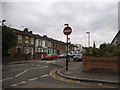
62	55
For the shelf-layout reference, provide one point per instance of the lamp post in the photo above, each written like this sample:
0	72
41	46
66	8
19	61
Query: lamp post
26	52
88	38
3	22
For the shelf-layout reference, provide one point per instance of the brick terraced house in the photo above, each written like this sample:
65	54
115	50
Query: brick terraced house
37	46
25	43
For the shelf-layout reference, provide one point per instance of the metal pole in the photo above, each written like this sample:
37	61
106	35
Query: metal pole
88	38
26	55
67	55
67	50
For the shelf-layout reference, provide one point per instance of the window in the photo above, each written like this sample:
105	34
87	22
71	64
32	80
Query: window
26	40
19	39
39	50
32	41
39	42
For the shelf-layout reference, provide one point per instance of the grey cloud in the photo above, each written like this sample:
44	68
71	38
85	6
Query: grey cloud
49	18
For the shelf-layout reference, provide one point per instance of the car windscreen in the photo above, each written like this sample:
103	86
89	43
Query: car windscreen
49	54
77	55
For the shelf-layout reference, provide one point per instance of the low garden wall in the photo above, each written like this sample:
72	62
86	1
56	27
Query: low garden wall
17	57
39	55
100	64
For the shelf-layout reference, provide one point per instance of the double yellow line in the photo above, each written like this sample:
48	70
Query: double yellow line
57	77
52	73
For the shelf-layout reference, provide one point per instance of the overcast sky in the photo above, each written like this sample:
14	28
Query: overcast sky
48	18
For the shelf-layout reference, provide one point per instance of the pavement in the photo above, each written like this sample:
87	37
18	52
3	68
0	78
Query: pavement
20	62
75	72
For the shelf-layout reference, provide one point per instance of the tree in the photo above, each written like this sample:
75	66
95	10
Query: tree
95	52
105	50
9	39
108	50
94	46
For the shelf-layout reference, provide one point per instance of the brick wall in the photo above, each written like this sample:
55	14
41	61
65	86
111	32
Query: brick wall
17	57
100	64
38	56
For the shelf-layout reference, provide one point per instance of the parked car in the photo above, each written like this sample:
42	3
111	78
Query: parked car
63	55
70	55
77	57
50	56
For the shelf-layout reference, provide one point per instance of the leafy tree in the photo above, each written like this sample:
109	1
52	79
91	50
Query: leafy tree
96	52
94	46
105	50
108	50
9	39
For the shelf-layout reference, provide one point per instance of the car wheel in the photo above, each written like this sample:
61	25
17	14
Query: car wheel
42	59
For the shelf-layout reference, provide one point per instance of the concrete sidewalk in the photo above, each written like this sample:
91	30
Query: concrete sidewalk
20	62
75	72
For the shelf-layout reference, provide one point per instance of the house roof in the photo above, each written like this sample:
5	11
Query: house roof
19	32
29	34
118	33
37	36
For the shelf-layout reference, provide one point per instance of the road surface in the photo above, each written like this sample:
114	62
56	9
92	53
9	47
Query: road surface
40	74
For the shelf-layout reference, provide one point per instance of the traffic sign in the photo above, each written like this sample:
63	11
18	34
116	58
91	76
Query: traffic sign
67	30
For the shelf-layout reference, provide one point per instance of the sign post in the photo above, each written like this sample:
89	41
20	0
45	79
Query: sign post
67	31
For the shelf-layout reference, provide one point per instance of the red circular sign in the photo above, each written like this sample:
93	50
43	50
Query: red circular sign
67	30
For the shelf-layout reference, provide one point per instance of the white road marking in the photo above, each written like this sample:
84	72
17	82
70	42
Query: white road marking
6	79
16	65
14	85
37	68
34	68
45	66
35	65
22	82
21	73
11	78
100	84
18	83
33	79
44	75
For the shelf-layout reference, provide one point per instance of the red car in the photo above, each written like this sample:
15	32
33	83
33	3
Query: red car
51	56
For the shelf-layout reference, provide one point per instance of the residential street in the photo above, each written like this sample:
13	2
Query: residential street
40	74
54	44
32	75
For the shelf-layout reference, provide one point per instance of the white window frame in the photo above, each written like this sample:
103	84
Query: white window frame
19	38
32	41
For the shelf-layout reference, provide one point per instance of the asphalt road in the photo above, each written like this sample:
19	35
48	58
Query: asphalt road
38	74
